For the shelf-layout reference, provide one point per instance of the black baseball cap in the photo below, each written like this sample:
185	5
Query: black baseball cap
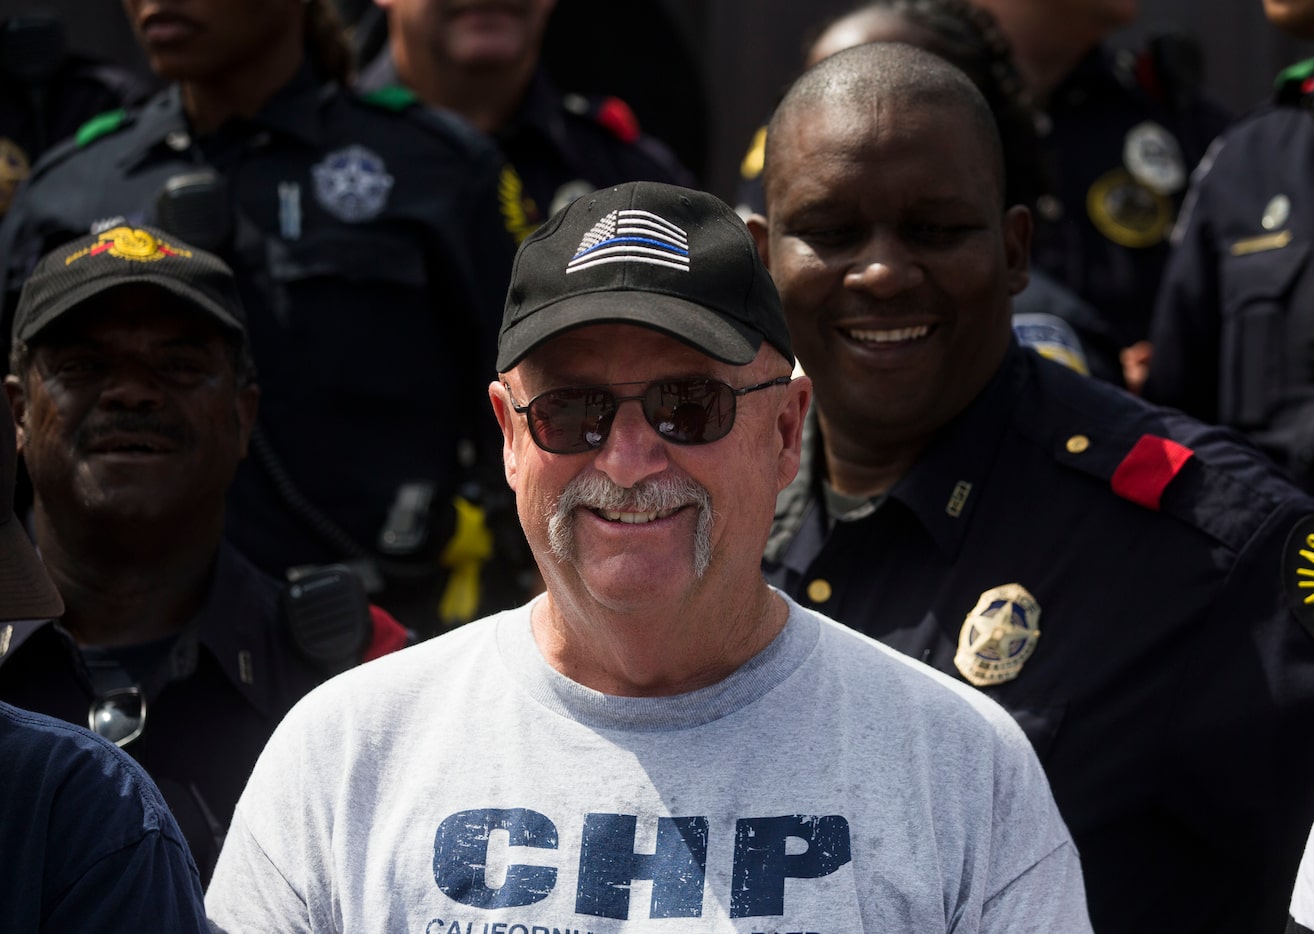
671	259
81	269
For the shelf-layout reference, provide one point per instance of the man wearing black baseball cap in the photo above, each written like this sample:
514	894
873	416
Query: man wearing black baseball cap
135	399
659	735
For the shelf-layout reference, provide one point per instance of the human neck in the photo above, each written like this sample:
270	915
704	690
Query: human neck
673	650
1047	43
857	467
239	92
126	586
486	99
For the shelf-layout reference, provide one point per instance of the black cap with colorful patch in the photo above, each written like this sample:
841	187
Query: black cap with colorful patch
81	269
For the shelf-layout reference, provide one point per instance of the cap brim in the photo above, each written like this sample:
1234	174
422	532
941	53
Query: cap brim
683	320
78	295
26	591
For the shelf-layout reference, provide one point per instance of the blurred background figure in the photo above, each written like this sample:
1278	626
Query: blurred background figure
135	396
1121	132
47	93
1234	324
482	60
372	261
1047	315
92	844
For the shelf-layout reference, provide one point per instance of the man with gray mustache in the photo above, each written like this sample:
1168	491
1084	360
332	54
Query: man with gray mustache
660	735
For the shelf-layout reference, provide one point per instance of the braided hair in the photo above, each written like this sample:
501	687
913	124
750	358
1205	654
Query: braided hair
327	45
968	37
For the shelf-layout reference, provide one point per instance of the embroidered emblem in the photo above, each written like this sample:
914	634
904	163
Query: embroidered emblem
998	636
1154	159
128	243
352	184
1128	212
1298	571
632	236
14	167
519	213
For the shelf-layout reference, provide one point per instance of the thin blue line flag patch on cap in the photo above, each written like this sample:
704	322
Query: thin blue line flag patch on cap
632	236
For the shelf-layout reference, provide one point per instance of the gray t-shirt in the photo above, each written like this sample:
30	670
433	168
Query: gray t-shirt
829	785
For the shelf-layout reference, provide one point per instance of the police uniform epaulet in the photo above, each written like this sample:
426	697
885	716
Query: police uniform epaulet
1146	470
1295	82
391	97
611	113
100	125
1170	68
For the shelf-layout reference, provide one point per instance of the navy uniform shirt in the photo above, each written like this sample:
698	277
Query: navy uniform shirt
36	115
1122	133
1121	579
560	146
1233	331
89	844
218	695
373	267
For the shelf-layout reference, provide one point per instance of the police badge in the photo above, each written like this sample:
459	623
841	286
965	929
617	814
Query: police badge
352	184
998	636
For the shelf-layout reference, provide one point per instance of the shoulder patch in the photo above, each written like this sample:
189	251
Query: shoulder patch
390	97
1298	571
99	126
1148	468
616	116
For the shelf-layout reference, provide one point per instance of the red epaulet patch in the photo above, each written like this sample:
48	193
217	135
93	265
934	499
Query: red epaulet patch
614	114
1148	468
388	634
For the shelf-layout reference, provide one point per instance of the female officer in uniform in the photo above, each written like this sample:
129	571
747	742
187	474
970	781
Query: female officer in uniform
372	258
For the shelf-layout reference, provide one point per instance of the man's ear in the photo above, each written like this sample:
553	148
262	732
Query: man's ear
506	420
790	424
248	409
1017	247
758	227
17	406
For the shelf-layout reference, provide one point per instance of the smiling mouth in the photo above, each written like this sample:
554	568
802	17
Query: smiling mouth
635	518
888	336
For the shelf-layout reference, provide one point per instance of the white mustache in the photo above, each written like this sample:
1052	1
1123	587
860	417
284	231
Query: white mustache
593	490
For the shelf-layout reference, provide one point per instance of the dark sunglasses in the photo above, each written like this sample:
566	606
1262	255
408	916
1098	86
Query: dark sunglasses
119	715
683	411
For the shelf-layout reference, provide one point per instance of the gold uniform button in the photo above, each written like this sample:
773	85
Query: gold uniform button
1078	444
819	591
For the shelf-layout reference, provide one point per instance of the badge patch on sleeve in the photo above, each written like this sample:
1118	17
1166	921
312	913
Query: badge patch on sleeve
1298	571
998	636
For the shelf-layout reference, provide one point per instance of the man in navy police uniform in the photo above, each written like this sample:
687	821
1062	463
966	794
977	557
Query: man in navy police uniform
1234	323
1131	584
482	62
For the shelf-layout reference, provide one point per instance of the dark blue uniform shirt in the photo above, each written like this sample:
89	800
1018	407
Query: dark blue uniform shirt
1120	578
1233	330
223	688
1123	136
89	844
373	266
560	146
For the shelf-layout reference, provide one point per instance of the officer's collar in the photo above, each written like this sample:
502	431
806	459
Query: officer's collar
292	111
232	626
942	487
540	110
949	477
